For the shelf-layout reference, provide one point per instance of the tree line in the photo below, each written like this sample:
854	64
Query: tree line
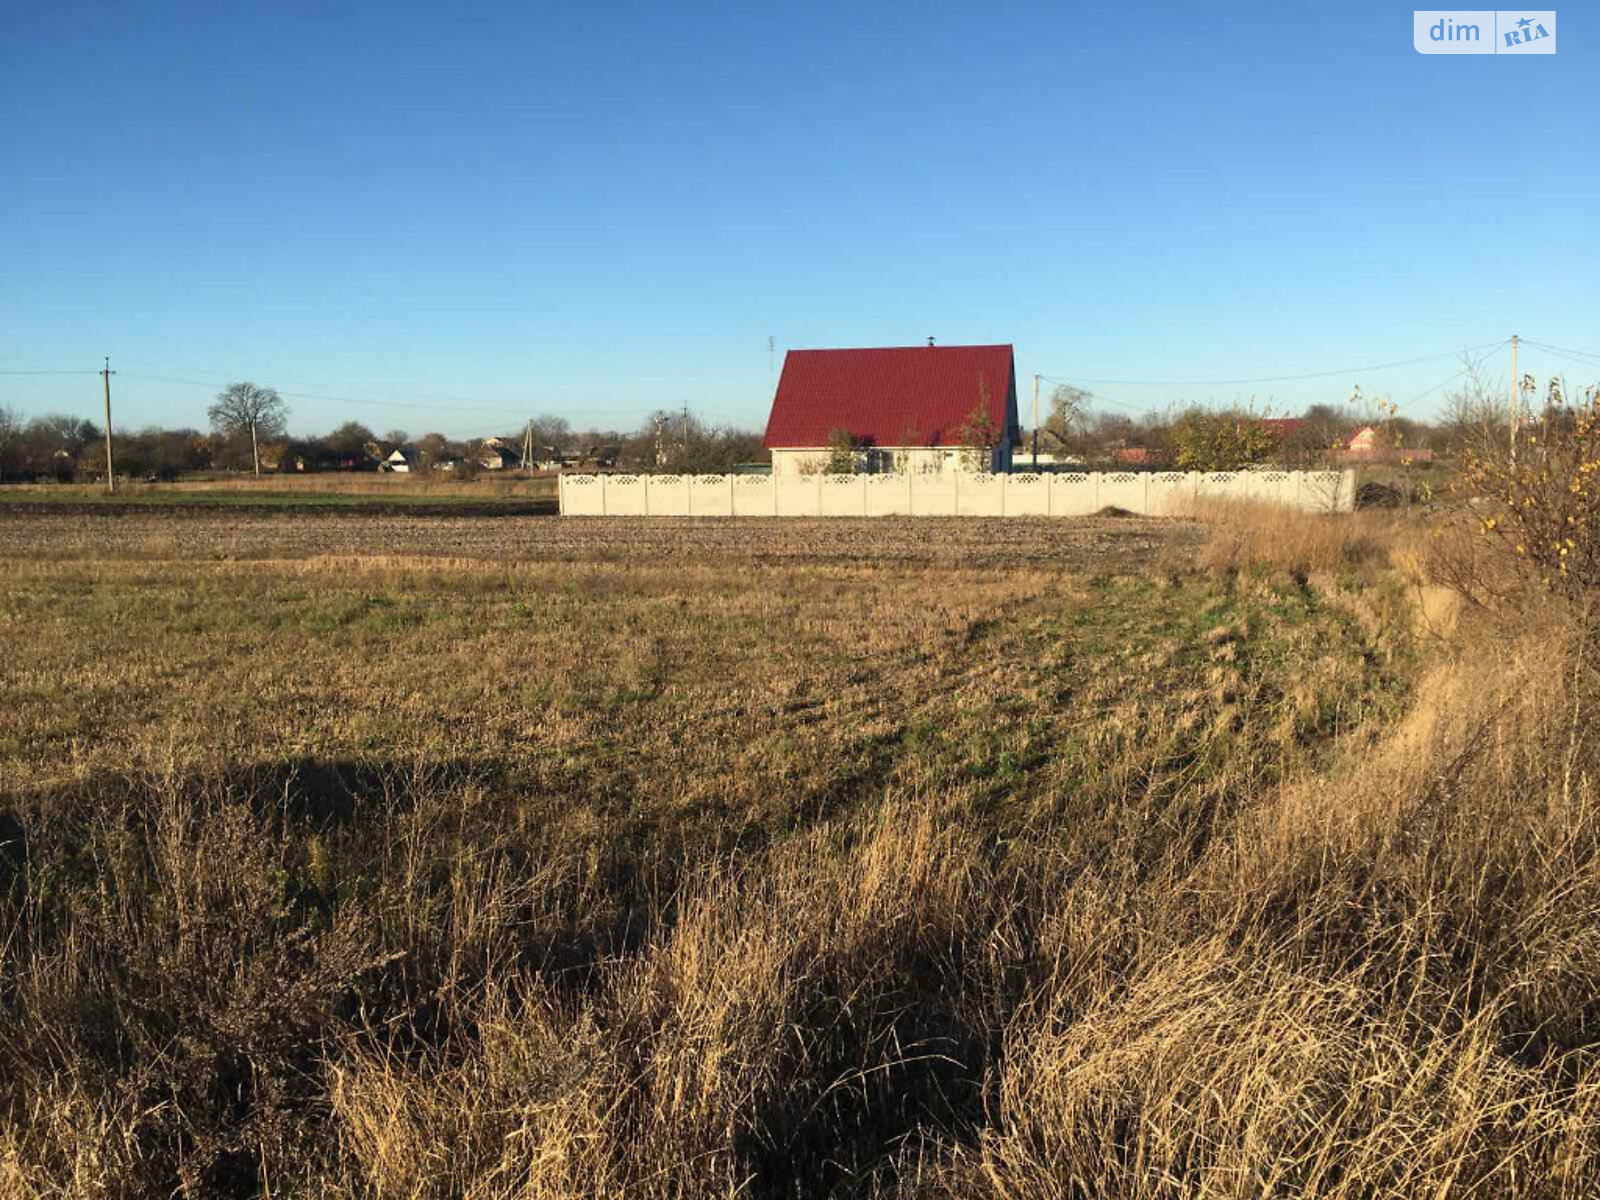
1220	438
249	432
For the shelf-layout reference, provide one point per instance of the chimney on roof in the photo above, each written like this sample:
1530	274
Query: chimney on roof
930	341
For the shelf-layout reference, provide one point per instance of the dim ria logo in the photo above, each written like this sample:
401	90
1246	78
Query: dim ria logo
1487	32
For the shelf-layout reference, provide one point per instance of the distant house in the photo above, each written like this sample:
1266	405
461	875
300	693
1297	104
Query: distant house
1368	444
1364	443
500	454
904	408
1139	456
401	462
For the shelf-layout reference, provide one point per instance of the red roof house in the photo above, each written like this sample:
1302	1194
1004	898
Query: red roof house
1139	456
905	407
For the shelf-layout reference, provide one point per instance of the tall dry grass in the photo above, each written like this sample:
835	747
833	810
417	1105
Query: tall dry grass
1271	536
1183	973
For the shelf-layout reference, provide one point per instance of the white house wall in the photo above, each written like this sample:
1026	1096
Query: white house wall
948	494
917	460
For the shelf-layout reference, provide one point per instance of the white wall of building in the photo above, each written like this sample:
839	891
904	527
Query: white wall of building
880	460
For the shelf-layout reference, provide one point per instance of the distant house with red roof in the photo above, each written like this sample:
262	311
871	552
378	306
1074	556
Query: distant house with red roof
1367	444
1138	456
905	408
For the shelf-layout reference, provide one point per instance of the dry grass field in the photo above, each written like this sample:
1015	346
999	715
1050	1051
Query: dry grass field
400	855
180	532
324	485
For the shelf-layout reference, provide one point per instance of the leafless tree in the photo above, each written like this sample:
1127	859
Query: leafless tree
1069	414
1475	415
244	406
10	439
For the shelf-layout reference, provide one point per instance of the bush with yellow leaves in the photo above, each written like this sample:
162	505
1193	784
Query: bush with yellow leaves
1540	499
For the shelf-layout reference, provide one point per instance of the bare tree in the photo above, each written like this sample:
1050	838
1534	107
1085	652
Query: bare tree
1069	414
10	440
1475	417
244	406
551	431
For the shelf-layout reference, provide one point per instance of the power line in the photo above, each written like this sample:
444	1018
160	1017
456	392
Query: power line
329	399
49	372
208	376
1582	358
1404	362
1426	392
1103	399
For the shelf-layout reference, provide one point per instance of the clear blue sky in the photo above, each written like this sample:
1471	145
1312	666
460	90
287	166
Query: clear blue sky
601	209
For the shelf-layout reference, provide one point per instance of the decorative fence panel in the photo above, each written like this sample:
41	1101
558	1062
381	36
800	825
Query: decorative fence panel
711	495
1170	493
625	496
665	495
1027	495
946	495
841	496
1122	489
980	495
754	496
887	495
583	495
1072	495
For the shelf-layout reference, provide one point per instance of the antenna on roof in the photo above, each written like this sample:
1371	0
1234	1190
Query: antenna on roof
930	341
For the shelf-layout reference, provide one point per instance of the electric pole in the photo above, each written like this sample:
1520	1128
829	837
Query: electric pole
1516	399
111	476
1035	422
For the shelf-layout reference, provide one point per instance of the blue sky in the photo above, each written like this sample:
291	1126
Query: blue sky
463	214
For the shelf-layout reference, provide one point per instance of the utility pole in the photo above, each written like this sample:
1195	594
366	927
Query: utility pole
1516	399
111	476
1035	422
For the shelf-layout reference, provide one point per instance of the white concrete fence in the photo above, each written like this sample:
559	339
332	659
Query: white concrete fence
945	495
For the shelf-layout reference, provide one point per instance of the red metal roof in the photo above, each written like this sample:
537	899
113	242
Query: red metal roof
898	396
